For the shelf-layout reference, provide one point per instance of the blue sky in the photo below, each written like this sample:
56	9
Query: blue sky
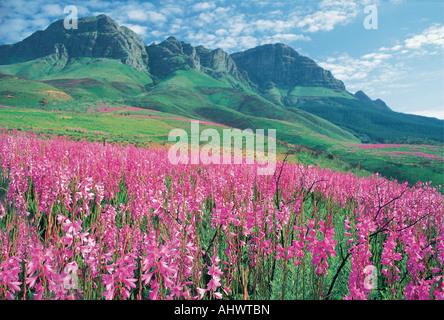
401	62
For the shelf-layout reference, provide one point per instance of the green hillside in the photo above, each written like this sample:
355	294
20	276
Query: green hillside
371	124
318	92
84	78
194	94
20	91
101	69
86	88
35	69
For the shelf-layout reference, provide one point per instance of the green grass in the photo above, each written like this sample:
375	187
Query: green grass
104	70
19	91
371	124
86	78
35	69
318	92
393	163
195	95
94	89
58	122
101	69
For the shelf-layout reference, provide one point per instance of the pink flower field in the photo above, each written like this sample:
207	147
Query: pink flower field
92	221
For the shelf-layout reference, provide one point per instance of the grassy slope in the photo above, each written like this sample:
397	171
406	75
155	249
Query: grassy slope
194	94
84	78
94	89
114	127
402	162
318	92
35	69
104	70
371	124
20	91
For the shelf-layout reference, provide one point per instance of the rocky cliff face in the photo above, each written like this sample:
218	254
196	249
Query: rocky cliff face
217	60
96	37
284	67
171	55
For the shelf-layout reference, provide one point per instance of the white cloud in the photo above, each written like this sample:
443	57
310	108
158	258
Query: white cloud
369	67
157	34
52	10
248	41
202	6
171	10
322	20
137	15
345	4
431	36
140	30
331	13
284	38
205	18
156	17
379	66
276	12
263	25
221	32
433	113
378	56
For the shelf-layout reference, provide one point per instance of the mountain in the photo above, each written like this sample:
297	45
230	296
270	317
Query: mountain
257	88
284	67
360	95
96	37
171	55
284	77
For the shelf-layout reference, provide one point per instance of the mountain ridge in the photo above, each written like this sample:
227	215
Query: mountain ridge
361	95
102	37
119	65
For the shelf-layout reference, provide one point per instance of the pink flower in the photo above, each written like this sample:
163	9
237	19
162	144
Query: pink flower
215	271
213	284
201	292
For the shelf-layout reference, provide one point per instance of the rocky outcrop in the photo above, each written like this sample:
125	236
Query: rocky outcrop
378	103
171	55
96	37
284	67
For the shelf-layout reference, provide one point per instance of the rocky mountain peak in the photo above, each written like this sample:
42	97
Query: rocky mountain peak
283	66
96	37
171	55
